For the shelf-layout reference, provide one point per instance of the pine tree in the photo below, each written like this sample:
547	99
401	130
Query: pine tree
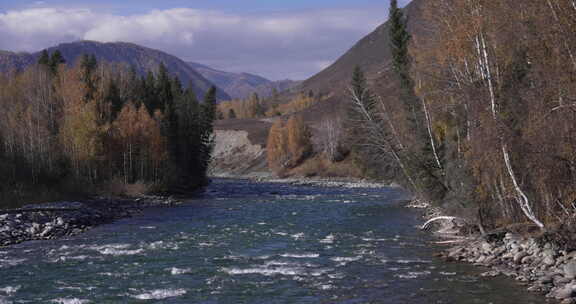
44	58
208	113
89	64
56	60
164	88
399	40
361	92
113	97
149	95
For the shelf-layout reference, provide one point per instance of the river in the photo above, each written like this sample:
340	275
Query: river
246	242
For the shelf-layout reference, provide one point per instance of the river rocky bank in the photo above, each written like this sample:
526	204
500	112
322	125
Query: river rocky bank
61	219
541	265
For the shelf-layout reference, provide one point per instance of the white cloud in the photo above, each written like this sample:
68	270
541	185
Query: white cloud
312	39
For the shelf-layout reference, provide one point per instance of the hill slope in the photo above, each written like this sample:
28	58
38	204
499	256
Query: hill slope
371	53
242	85
142	58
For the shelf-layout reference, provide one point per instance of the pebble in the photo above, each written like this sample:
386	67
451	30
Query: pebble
542	267
60	219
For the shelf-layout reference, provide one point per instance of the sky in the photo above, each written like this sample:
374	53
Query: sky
288	39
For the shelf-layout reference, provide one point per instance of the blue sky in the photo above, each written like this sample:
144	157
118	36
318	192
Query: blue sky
276	39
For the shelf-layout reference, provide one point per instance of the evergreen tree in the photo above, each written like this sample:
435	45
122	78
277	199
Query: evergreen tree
399	40
418	156
114	99
56	60
360	90
209	109
177	89
364	155
149	95
44	58
208	113
89	64
188	140
164	88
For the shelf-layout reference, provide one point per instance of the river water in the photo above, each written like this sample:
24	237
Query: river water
245	242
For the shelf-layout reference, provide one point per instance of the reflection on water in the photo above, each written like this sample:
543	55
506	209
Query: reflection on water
244	242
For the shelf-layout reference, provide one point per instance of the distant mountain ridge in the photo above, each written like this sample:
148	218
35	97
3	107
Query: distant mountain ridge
242	85
373	55
141	58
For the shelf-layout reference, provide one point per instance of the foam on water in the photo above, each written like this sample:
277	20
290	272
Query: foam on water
71	258
281	263
117	252
177	271
287	271
416	261
4	263
300	255
117	249
69	301
163	245
329	239
10	290
413	274
375	240
298	236
160	294
346	259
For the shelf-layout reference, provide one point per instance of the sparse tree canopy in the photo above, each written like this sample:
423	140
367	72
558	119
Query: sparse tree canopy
87	129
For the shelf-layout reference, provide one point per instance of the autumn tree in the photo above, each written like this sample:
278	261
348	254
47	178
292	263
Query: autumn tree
298	140
277	147
79	127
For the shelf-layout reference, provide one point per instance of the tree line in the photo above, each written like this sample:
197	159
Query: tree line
275	105
484	117
91	123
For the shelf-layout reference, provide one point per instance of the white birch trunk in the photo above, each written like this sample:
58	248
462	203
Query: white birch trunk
430	134
522	198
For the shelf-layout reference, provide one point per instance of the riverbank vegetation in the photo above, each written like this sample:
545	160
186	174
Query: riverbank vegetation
97	127
273	106
484	120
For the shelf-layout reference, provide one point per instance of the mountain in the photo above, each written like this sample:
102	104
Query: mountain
242	85
141	58
372	54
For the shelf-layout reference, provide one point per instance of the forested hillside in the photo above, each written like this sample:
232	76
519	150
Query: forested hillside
98	126
140	58
482	120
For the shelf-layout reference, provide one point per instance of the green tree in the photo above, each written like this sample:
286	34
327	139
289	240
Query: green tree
164	88
148	93
208	113
114	99
44	58
399	40
88	64
56	60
